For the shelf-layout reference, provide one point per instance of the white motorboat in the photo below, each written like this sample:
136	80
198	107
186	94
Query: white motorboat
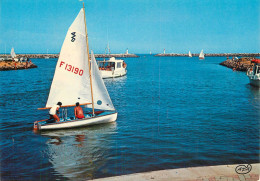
254	73
112	68
77	79
201	56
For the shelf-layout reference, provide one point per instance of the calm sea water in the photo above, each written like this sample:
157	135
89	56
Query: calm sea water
173	112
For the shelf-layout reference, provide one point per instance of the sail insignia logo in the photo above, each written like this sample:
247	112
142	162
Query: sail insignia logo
73	36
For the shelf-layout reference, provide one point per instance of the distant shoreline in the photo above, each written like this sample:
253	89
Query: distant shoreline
48	56
56	55
210	55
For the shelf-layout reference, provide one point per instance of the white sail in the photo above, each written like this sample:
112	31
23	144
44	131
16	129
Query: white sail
71	81
101	97
201	56
13	53
190	54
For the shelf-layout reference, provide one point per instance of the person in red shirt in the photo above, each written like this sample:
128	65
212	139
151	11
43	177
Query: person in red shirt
78	111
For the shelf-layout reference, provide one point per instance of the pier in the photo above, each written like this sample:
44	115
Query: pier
209	55
11	65
214	173
241	64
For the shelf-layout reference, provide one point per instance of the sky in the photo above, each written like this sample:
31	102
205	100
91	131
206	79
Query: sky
179	26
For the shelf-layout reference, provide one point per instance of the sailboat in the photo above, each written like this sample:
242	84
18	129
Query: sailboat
77	79
47	55
190	54
201	56
13	55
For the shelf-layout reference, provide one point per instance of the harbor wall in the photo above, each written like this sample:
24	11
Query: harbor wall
241	64
11	65
210	55
57	55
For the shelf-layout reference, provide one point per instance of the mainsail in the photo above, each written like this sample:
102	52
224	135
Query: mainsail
190	54
201	56
71	81
13	53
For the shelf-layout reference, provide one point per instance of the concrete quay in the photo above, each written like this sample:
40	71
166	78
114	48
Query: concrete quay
239	172
210	55
57	55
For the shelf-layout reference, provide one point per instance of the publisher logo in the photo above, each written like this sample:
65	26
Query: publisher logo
243	169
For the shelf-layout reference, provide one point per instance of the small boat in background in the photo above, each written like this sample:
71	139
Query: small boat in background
201	56
112	68
47	57
13	55
190	54
254	73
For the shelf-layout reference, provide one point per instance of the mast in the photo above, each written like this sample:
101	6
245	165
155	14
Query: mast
90	77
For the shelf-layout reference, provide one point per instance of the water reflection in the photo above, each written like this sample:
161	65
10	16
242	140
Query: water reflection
78	153
116	79
254	90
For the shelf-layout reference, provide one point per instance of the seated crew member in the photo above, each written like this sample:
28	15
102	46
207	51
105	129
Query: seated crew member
78	111
54	111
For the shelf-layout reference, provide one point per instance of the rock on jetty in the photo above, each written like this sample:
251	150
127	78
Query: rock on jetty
11	65
115	55
241	64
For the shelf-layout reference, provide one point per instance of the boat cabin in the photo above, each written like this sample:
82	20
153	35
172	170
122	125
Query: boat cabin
112	68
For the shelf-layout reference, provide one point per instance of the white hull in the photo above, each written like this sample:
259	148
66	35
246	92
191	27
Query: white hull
81	122
255	82
111	74
254	75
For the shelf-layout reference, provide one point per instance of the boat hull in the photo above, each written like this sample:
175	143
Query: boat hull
110	74
255	83
79	123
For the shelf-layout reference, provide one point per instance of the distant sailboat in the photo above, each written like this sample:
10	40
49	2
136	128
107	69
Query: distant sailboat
150	53
47	57
107	49
190	54
201	56
13	55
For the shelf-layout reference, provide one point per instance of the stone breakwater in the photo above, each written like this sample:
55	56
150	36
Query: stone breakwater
116	55
241	64
9	65
210	55
57	55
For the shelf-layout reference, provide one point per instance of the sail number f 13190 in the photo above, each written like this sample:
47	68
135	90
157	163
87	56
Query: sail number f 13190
71	68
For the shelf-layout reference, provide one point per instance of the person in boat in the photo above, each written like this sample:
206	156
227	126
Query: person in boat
78	111
54	111
124	64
